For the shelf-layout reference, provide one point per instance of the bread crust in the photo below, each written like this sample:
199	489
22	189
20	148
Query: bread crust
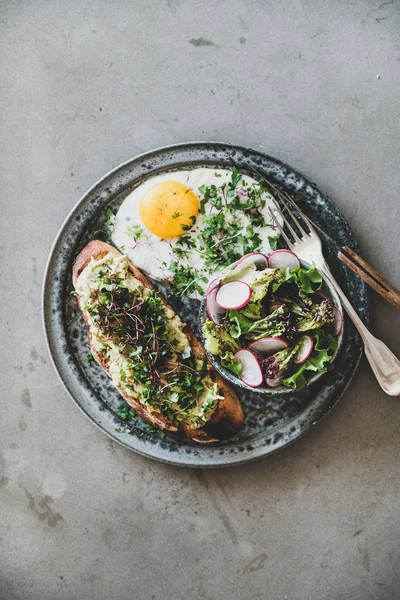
228	416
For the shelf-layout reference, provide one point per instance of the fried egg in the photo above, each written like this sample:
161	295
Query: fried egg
195	221
168	209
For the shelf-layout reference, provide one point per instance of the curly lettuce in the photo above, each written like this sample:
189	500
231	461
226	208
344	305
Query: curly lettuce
219	342
261	287
311	315
323	352
278	324
308	280
277	365
240	324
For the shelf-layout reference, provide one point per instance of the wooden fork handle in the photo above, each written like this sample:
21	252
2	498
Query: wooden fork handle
370	275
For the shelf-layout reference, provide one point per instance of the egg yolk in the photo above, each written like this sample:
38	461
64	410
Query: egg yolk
169	209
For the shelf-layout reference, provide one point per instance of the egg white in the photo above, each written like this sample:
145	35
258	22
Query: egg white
152	254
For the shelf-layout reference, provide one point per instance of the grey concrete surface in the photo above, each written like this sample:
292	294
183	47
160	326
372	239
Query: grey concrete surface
86	85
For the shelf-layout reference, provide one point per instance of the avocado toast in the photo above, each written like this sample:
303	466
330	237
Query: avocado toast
151	356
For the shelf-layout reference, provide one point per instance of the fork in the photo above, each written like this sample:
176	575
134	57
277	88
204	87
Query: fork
305	242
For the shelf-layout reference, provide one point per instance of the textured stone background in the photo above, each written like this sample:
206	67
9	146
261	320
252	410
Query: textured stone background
86	85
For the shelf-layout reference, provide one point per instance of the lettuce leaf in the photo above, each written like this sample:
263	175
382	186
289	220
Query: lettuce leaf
240	324
276	324
286	276
217	339
311	316
254	310
308	280
229	361
319	361
261	285
308	277
276	365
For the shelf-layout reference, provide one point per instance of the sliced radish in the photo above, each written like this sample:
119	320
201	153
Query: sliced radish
273	383
268	345
306	345
283	259
212	284
214	311
273	306
233	295
259	259
338	322
251	371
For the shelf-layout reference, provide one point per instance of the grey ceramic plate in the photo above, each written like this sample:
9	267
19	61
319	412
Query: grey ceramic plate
270	423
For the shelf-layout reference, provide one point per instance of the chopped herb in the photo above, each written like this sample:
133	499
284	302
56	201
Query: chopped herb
186	279
135	231
159	432
187	241
110	222
176	215
273	241
209	404
235	177
212	195
151	429
123	430
174	398
100	234
223	240
125	412
89	358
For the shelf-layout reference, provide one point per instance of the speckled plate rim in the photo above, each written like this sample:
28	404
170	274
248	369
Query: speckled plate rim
205	456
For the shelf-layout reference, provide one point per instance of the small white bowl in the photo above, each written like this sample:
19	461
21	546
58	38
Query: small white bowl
327	288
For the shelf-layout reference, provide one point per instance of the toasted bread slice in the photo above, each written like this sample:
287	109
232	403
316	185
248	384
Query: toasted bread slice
228	416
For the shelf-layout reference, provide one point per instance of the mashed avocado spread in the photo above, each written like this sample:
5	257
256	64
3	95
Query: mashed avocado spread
147	354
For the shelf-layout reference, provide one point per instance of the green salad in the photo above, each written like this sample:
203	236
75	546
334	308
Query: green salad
281	330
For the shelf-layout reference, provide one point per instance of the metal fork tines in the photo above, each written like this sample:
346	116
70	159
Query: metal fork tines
300	234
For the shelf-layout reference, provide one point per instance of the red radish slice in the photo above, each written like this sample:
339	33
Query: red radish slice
233	295
251	371
273	306
283	259
259	259
273	383
212	284
214	311
305	349
338	322
269	345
